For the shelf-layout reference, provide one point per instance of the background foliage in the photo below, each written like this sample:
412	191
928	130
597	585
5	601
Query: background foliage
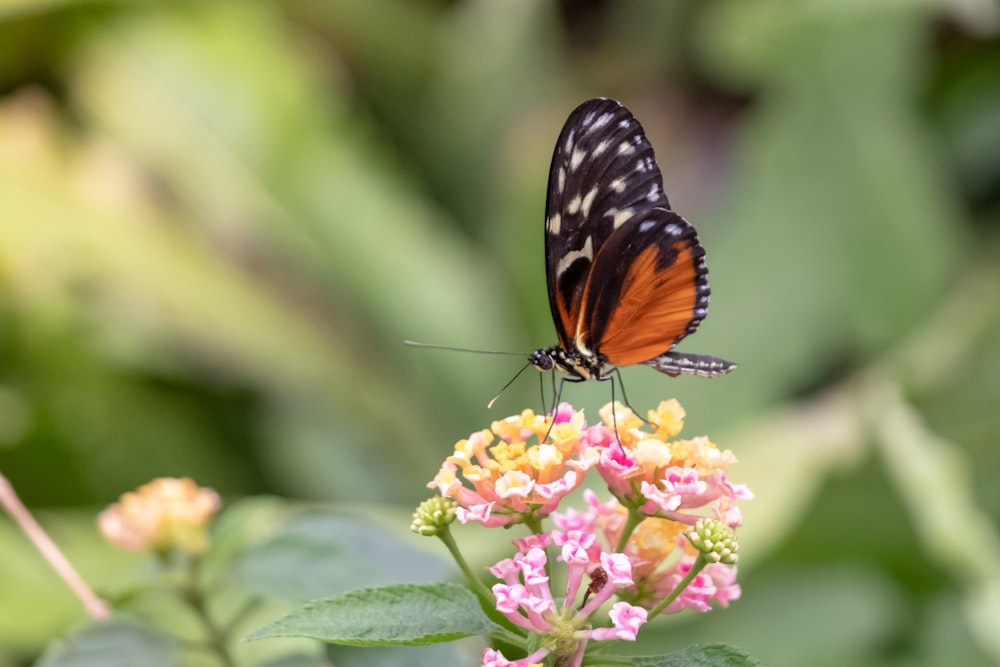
219	220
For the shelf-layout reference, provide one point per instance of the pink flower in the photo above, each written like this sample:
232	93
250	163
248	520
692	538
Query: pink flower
672	495
525	599
533	541
494	658
657	553
626	620
664	477
520	477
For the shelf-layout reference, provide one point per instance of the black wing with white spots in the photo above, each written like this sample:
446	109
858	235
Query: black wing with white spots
603	172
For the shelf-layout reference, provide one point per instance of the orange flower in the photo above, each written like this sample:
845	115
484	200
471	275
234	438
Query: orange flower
164	514
520	476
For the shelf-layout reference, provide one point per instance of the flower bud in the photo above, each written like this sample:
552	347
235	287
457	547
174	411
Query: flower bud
432	515
715	541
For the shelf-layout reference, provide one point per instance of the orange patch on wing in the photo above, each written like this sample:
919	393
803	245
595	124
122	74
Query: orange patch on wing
654	308
569	313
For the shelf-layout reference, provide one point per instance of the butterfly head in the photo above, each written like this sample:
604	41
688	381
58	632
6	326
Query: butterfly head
575	364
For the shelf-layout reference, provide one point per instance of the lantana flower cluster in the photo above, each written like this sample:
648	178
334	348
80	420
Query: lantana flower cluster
167	513
515	477
662	542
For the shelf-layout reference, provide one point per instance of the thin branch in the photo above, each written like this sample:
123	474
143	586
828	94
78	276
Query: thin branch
96	608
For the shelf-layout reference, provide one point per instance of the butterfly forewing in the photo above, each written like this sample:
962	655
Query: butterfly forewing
603	173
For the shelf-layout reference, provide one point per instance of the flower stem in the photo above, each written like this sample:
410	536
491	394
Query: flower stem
96	608
484	593
216	636
635	517
698	566
534	524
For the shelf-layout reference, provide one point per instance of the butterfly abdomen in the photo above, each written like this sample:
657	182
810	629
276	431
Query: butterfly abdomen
702	365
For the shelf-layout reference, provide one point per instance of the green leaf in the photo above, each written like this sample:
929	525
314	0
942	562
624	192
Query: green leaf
319	554
402	615
111	645
700	655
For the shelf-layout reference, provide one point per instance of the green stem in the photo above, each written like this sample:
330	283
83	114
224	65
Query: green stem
504	635
635	517
242	614
698	566
534	524
216	636
484	593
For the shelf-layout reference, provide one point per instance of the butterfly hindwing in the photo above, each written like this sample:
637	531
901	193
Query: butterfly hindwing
647	289
603	172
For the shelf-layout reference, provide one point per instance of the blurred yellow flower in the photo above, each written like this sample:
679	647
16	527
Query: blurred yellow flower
164	514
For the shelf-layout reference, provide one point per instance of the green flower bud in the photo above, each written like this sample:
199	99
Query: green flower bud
432	515
715	540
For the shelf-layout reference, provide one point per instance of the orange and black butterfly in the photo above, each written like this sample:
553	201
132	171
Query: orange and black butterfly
626	275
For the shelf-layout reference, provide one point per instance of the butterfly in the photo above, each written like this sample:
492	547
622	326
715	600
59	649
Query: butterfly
626	275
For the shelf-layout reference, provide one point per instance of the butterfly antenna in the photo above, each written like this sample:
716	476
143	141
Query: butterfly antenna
432	346
509	383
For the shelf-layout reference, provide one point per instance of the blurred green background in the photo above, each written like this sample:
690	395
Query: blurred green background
220	220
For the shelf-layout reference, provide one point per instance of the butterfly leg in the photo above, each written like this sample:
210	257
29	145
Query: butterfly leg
555	394
555	402
621	383
615	373
541	390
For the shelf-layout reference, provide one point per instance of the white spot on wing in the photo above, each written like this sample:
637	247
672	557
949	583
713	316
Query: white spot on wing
601	121
577	159
568	146
645	164
600	148
588	200
562	179
554	224
618	185
586	252
574	205
618	218
646	225
654	192
625	148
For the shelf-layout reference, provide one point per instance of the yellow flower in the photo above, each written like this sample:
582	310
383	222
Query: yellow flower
651	543
164	514
512	471
668	418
